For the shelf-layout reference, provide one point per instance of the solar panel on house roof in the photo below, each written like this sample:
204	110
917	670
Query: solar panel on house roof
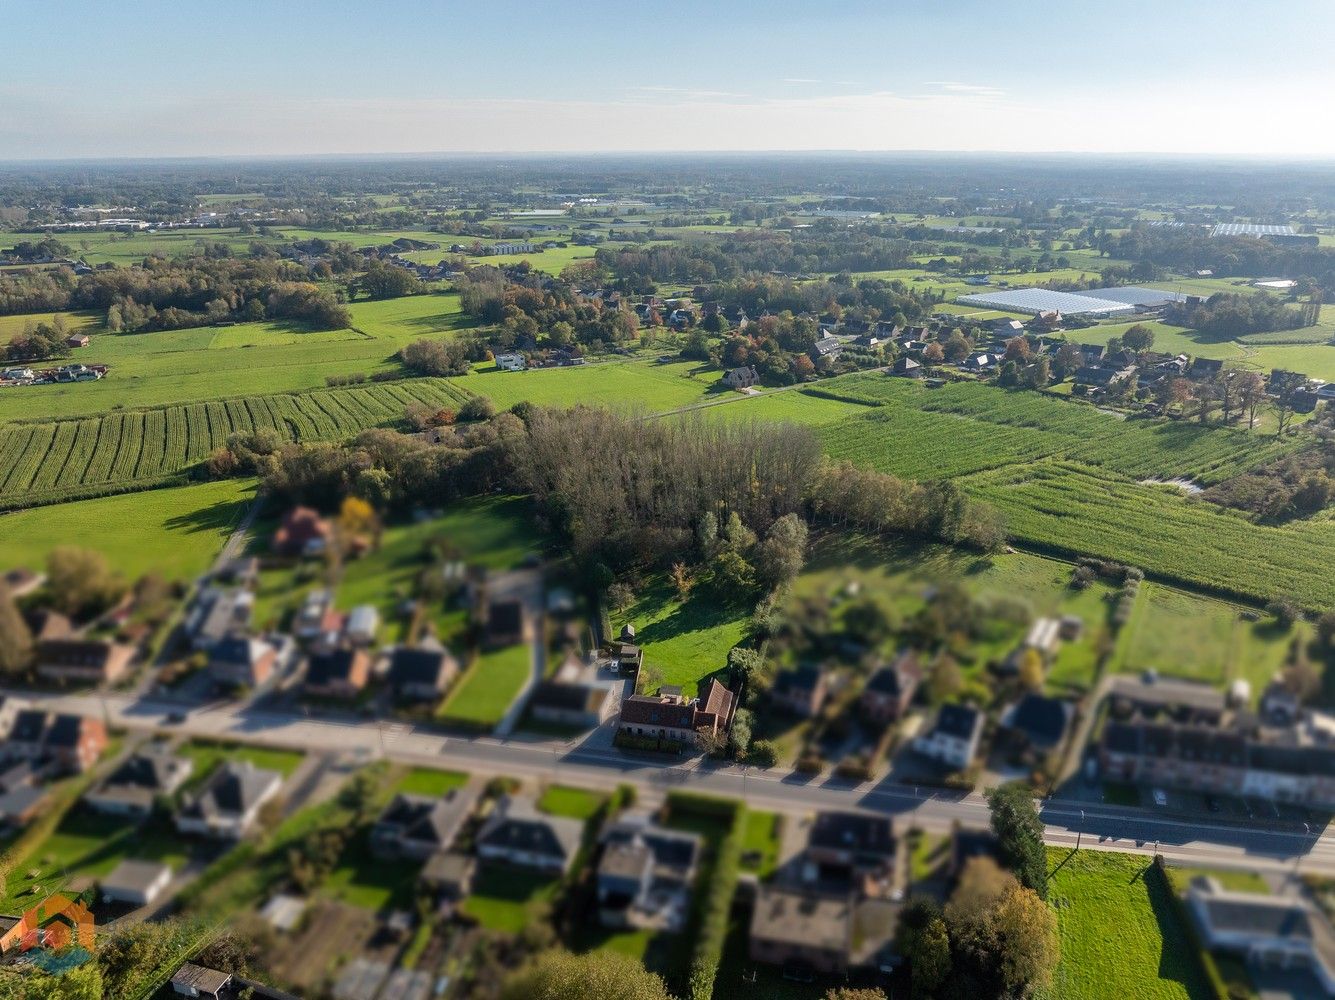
1040	300
1247	229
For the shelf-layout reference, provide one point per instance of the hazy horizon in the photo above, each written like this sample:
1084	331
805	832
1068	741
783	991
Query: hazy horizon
154	81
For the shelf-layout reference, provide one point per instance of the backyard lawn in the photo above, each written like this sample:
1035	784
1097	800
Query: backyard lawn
488	687
509	899
760	842
576	803
684	642
1119	925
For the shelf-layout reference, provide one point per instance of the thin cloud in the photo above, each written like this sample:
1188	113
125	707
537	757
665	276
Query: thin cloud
800	79
955	87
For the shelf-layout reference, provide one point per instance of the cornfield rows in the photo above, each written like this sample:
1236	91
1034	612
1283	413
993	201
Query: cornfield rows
43	462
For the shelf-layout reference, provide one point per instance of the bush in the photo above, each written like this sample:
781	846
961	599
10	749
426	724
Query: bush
477	408
764	753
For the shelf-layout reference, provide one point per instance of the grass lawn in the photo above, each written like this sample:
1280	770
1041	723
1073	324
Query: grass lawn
208	756
576	803
486	690
631	385
176	532
1181	634
684	642
427	781
1230	879
89	844
509	899
1120	931
760	842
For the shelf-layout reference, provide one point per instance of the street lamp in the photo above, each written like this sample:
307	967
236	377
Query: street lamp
1080	830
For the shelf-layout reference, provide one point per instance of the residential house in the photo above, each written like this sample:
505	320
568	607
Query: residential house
135	883
570	703
827	346
200	983
340	672
141	780
809	934
981	362
72	742
889	691
448	875
1205	369
83	661
800	690
625	657
1037	722
669	716
77	340
1285	933
422	672
229	801
906	367
851	851
953	737
510	362
1152	696
242	662
1102	378
645	874
741	378
1007	328
515	832
418	826
217	614
303	532
46	624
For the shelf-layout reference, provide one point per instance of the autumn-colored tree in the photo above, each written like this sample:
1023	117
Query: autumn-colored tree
608	975
81	580
1031	668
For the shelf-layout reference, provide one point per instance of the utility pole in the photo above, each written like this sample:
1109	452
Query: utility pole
1080	830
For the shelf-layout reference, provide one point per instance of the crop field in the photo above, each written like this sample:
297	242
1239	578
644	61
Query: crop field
1074	509
965	427
45	462
174	532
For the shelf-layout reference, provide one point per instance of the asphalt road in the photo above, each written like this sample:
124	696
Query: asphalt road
1202	841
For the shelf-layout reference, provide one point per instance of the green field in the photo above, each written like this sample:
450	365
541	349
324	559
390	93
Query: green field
1073	509
175	532
632	385
246	359
1121	934
488	687
684	642
49	462
207	756
427	781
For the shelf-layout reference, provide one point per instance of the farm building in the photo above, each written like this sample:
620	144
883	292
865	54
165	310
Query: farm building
1041	300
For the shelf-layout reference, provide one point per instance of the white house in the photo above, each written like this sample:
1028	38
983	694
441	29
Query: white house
953	738
229	802
510	362
137	883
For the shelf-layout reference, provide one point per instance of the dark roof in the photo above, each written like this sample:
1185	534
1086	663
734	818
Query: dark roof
846	831
799	679
64	731
426	818
514	825
232	790
570	697
1041	719
957	720
895	678
333	665
146	769
505	617
29	725
417	665
74	652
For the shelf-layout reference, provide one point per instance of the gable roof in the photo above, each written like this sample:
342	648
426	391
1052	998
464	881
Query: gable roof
515	824
419	664
848	831
427	819
1043	720
332	665
233	789
894	679
959	721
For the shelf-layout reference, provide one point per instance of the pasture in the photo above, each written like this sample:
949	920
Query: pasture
683	641
628	385
175	532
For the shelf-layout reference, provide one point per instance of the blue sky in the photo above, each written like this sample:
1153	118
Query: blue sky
293	77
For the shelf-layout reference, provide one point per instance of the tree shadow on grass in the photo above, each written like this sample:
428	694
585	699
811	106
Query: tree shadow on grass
1178	960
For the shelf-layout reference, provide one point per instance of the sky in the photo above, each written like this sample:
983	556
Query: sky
292	77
